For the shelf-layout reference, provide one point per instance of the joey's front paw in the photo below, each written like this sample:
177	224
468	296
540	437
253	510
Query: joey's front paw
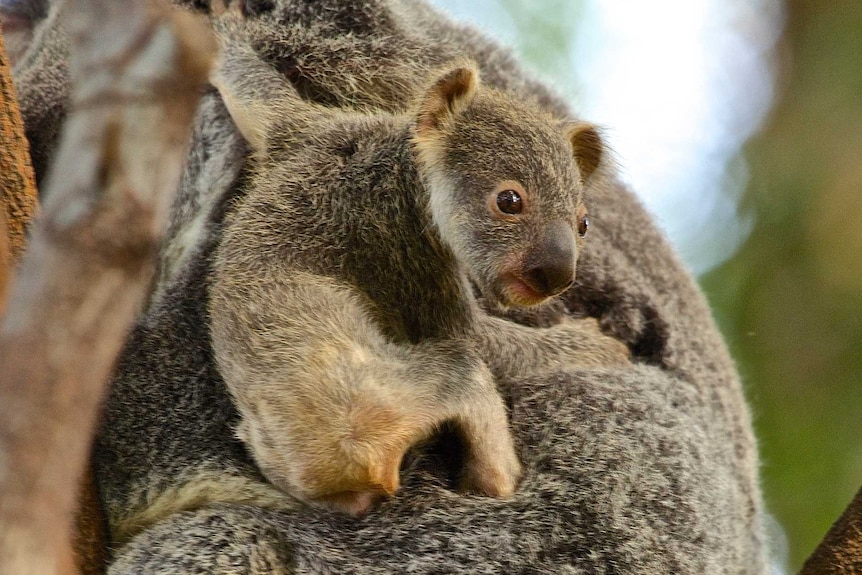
594	348
495	477
611	351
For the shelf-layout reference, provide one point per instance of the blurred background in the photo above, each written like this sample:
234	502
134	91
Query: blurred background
739	123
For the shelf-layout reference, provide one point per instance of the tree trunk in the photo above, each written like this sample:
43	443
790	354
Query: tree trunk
137	69
18	197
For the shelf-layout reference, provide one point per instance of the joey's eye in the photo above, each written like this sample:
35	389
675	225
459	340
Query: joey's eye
508	198
583	225
583	220
509	202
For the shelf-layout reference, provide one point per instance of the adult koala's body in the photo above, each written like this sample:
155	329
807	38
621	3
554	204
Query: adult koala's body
644	469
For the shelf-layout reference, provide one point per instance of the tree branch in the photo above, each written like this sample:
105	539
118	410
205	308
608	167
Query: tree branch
840	552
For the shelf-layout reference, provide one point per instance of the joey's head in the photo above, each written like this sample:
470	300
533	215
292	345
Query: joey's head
505	186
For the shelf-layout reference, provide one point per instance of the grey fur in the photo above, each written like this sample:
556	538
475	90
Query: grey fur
647	469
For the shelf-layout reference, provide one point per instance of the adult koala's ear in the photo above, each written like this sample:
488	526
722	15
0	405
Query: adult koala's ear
587	147
450	93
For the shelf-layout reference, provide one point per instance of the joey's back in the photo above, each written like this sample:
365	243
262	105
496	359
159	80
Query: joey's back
350	205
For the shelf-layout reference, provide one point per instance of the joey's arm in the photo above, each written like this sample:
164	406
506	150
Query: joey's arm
513	350
250	89
264	105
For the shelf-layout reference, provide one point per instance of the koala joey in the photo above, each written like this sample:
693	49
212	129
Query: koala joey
343	317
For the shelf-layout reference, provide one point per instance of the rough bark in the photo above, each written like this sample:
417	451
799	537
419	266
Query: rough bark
18	197
840	552
5	259
137	68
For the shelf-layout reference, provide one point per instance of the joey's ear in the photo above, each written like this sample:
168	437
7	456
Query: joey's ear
448	95
587	146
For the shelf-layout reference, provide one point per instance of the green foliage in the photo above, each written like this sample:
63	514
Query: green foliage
790	301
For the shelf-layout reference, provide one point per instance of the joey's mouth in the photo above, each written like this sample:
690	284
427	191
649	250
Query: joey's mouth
517	292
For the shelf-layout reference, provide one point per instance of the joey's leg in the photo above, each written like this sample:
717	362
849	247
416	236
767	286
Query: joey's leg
323	408
513	350
329	407
467	395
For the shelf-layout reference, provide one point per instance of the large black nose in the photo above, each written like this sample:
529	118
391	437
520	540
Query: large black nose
550	266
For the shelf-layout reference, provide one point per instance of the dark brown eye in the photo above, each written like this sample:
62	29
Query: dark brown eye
583	225
509	202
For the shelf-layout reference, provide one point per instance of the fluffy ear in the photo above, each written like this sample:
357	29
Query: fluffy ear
448	95
587	146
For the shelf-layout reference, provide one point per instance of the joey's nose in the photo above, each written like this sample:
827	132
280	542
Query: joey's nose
550	267
550	279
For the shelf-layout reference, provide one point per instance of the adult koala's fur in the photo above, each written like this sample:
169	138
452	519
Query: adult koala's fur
647	469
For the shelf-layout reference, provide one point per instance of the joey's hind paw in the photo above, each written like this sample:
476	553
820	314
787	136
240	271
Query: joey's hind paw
498	478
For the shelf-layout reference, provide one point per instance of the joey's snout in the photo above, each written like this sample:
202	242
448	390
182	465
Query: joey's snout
549	267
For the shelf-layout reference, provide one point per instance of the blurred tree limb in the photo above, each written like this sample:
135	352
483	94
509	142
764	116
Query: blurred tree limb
136	69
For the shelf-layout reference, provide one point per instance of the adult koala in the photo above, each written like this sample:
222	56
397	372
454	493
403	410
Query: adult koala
647	469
